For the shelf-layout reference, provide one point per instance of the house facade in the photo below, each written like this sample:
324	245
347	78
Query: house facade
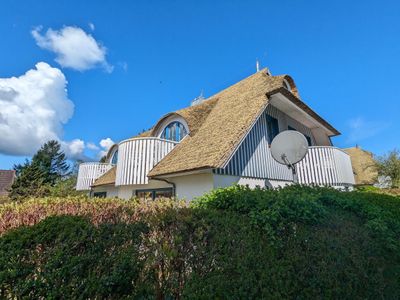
221	141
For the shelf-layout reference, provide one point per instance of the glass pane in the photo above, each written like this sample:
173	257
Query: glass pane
163	194
174	132
115	158
145	195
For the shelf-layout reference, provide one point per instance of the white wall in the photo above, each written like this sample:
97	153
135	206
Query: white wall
111	190
189	187
277	183
221	181
321	138
128	191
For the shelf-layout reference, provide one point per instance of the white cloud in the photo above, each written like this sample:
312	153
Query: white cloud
91	26
74	149
74	48
361	129
105	144
92	146
33	109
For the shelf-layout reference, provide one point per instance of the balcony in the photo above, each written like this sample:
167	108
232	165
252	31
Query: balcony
327	166
89	172
137	156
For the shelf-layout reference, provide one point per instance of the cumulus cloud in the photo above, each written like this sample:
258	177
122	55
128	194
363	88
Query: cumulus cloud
74	48
33	109
105	144
74	149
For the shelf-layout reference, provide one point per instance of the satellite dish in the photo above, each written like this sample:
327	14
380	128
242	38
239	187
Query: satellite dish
288	148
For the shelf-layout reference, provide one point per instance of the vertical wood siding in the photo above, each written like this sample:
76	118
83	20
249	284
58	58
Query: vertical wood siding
322	165
253	157
136	157
325	166
88	173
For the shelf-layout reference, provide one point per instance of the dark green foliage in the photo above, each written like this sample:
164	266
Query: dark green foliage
51	161
34	178
65	187
30	181
234	243
67	257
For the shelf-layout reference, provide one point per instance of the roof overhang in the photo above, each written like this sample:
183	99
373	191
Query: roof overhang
204	170
298	110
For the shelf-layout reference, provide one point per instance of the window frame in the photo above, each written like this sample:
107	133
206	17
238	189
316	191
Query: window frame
100	194
115	153
154	192
174	131
272	131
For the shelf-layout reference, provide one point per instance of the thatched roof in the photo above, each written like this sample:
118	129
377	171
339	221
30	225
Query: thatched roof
233	112
107	178
6	180
364	166
218	124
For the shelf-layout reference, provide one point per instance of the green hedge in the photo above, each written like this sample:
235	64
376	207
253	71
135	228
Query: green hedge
233	243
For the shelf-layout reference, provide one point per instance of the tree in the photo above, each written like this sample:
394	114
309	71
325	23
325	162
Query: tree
389	165
35	178
51	161
29	182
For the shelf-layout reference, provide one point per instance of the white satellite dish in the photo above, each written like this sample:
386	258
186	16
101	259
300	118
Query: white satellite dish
288	148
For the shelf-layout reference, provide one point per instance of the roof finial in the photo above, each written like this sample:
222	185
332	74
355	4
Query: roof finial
257	65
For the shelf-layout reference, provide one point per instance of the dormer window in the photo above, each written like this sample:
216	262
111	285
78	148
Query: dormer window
114	158
286	85
174	131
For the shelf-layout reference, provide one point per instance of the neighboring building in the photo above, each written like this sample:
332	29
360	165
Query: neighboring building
364	166
6	180
220	141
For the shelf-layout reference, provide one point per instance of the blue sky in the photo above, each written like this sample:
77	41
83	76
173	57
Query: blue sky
141	59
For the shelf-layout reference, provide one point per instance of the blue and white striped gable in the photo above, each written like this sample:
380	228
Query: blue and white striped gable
253	157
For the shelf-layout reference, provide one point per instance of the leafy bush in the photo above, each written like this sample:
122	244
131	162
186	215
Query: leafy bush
234	243
67	256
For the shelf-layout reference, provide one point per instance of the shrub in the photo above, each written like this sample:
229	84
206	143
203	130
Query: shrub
234	243
67	256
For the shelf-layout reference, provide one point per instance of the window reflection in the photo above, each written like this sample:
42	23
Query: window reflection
175	131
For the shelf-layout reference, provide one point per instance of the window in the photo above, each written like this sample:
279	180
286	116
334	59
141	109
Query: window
308	138
272	128
174	131
100	194
114	158
154	194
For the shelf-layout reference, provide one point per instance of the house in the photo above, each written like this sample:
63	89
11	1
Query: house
6	180
364	166
220	141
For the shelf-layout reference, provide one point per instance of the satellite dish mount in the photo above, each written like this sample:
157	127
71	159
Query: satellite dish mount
288	148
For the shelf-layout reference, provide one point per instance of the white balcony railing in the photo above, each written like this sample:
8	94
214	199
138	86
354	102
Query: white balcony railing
89	172
324	165
137	156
